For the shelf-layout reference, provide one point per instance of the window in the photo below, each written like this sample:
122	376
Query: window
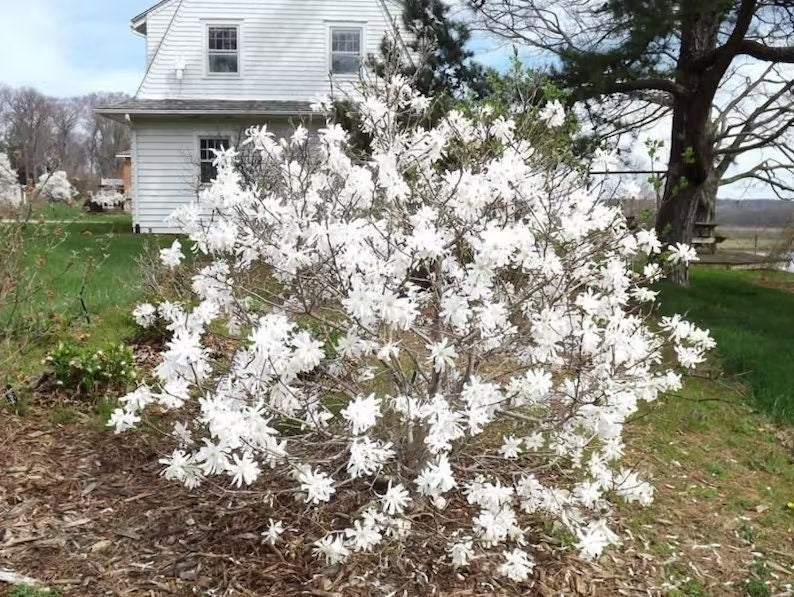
345	50
207	148
223	50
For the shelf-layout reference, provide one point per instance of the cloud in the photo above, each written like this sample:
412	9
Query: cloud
45	51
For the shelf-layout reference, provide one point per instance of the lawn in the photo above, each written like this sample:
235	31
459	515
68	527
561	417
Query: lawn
63	212
751	316
90	280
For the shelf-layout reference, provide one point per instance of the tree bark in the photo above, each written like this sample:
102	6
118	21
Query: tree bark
691	144
707	201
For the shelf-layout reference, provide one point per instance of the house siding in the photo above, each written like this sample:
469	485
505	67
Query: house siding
165	155
157	23
284	52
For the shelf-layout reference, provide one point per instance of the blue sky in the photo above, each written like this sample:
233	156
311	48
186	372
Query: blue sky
71	47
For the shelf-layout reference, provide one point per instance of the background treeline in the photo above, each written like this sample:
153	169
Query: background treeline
42	134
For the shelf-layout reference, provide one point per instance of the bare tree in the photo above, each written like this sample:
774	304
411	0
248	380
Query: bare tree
105	138
28	131
759	121
680	50
42	134
67	137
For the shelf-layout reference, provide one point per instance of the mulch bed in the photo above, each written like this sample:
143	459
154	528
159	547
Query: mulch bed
85	511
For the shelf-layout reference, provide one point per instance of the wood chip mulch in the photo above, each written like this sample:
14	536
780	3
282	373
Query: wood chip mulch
86	512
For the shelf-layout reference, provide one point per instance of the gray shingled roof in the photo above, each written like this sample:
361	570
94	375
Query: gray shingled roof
215	107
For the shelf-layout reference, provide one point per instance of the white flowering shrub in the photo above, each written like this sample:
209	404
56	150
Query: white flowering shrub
10	191
55	187
108	200
442	355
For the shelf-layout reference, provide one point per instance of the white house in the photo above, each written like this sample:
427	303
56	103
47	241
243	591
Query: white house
215	67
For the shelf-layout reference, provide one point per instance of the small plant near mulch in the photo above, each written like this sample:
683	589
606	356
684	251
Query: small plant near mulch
28	591
89	373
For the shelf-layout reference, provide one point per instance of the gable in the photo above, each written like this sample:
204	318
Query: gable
138	22
284	46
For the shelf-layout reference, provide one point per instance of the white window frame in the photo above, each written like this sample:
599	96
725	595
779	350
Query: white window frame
199	138
208	52
346	26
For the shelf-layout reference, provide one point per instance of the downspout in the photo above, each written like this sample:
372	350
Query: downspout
136	201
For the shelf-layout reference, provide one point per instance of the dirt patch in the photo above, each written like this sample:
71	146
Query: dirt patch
779	284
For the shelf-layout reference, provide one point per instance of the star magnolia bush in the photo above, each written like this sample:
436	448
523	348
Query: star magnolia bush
9	183
55	187
445	349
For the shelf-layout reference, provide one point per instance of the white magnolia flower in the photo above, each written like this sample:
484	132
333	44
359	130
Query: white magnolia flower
172	257
332	548
461	553
395	500
594	539
681	253
181	466
122	420
517	566
443	355
362	413
274	531
363	537
511	448
243	470
553	114
319	487
145	315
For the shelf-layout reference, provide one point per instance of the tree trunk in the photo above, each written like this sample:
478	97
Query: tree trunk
691	161
707	200
691	144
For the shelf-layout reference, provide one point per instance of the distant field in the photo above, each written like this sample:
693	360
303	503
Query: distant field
756	239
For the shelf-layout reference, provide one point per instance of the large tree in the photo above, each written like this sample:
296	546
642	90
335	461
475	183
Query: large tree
105	138
28	131
679	49
442	63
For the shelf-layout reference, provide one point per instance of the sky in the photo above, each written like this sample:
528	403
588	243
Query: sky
72	47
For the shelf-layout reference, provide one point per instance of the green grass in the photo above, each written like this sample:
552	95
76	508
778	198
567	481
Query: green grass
753	327
109	252
63	212
721	476
90	282
28	591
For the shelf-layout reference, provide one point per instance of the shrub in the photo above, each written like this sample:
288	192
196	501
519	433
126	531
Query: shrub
26	287
91	373
10	191
490	342
55	187
106	201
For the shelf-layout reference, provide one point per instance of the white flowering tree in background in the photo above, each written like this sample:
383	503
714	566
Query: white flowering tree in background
55	187
10	192
442	355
